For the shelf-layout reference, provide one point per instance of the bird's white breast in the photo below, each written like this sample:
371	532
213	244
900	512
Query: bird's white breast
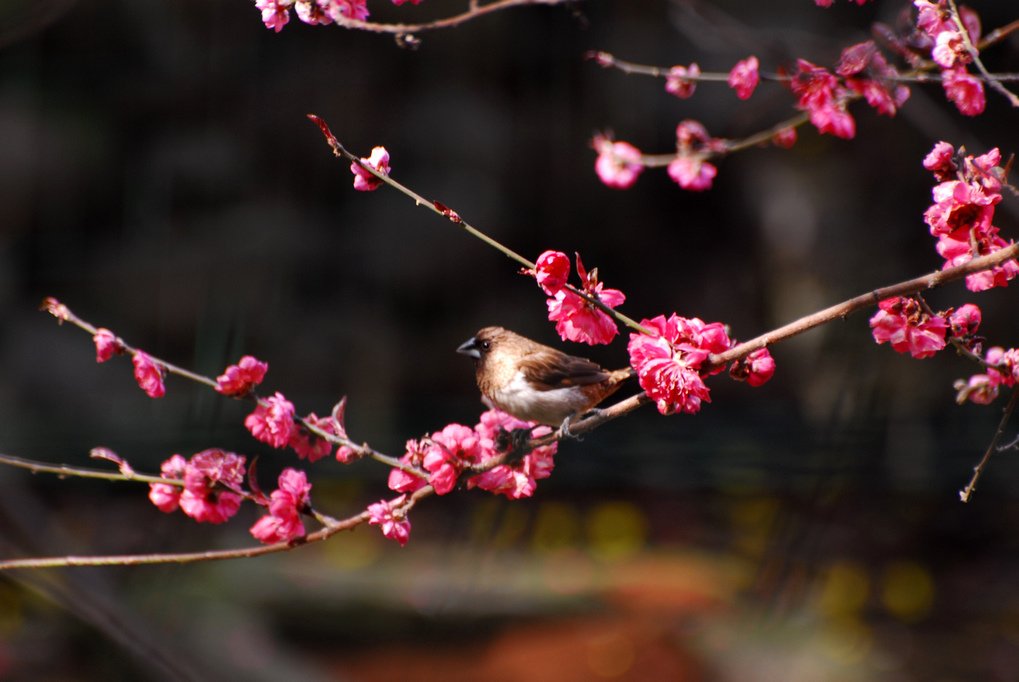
520	399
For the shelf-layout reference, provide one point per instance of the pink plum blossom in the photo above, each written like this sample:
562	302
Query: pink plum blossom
107	344
164	495
283	522
618	163
241	378
272	421
551	270
391	518
578	319
682	81
402	481
902	323
448	453
692	173
365	181
668	360
211	478
149	374
744	77
275	13
518	479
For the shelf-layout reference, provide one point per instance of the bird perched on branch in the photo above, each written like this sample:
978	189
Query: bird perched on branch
534	382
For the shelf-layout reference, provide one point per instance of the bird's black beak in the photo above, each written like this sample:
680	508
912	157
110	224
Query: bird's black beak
470	347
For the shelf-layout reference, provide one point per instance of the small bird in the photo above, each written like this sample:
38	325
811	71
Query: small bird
534	382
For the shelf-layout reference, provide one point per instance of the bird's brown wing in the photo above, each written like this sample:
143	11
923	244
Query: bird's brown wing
549	370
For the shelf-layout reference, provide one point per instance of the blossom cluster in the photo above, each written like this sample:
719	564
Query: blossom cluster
910	329
448	453
904	324
577	319
1002	369
942	38
669	361
939	37
964	204
211	490
286	504
276	13
273	422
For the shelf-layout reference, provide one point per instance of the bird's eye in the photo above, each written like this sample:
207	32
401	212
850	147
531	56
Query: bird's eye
485	345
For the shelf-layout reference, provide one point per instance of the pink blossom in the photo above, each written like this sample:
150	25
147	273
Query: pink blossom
941	161
618	163
1010	361
1002	370
283	522
964	321
822	97
405	482
272	421
965	90
961	204
315	11
308	444
932	18
552	269
448	453
518	479
579	320
744	77
682	81
668	361
692	135
979	389
784	138
107	344
351	9
901	322
984	170
965	244
241	378
400	2
275	13
390	516
949	49
755	369
364	180
211	478
149	374
164	495
692	173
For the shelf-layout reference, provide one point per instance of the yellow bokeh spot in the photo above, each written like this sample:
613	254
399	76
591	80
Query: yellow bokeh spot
355	550
616	530
844	590
907	590
557	526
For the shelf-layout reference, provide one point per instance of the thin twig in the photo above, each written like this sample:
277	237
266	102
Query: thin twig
975	54
333	526
967	492
474	11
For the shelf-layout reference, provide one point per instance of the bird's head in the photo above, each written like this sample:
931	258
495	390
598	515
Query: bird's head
481	344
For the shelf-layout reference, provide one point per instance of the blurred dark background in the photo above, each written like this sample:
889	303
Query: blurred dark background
159	176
